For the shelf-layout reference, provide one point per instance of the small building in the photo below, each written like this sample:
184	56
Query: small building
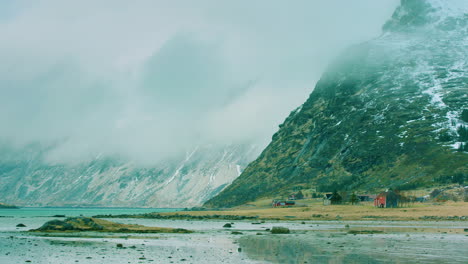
281	203
327	198
366	197
326	202
331	198
422	199
387	199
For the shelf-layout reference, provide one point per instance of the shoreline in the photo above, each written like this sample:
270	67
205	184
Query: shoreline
245	241
450	211
312	242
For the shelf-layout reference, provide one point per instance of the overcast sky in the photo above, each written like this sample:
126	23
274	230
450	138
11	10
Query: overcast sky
147	79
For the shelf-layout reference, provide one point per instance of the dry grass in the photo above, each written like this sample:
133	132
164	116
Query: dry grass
313	209
116	227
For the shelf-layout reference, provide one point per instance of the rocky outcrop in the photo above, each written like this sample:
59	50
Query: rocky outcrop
77	224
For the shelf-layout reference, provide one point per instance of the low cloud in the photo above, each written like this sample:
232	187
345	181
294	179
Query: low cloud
147	80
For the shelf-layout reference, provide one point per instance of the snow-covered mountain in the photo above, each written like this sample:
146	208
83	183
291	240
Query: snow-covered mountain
390	112
27	180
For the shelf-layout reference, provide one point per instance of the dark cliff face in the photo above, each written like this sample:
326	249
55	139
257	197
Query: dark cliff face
388	113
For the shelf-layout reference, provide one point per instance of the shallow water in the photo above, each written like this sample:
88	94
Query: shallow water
73	211
18	246
34	217
309	242
345	248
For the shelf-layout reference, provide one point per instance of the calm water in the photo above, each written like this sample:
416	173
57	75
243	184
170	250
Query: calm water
69	211
34	217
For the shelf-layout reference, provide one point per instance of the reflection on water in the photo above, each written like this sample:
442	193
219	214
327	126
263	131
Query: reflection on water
337	248
282	250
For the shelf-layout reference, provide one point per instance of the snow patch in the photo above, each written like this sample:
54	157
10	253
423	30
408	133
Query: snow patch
449	8
177	172
456	145
435	94
239	171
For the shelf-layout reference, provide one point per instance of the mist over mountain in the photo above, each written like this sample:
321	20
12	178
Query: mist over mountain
391	112
152	103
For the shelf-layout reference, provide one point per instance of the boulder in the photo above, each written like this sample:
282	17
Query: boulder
280	230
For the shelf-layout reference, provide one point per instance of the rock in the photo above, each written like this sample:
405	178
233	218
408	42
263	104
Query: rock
20	225
70	224
280	230
181	230
236	233
119	245
99	225
227	225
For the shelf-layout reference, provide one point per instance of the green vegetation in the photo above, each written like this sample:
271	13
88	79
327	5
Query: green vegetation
462	133
369	125
354	199
464	115
280	230
336	198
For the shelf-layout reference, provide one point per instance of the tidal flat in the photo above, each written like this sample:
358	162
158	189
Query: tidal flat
246	241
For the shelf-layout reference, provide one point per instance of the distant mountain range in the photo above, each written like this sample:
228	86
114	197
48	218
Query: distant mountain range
7	206
389	113
27	180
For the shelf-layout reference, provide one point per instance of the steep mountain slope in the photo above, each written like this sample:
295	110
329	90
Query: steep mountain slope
391	112
26	179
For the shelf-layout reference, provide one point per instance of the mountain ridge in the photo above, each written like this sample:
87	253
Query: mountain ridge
27	180
389	112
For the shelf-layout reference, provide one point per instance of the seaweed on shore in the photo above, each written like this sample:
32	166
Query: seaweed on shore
78	224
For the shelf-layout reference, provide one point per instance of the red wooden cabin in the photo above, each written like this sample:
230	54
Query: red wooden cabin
387	199
277	203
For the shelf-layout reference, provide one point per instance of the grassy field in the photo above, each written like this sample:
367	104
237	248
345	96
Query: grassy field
309	209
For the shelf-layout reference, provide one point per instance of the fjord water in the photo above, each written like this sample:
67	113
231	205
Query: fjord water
74	211
34	217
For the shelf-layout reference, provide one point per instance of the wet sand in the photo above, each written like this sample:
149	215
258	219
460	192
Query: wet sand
308	242
199	248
